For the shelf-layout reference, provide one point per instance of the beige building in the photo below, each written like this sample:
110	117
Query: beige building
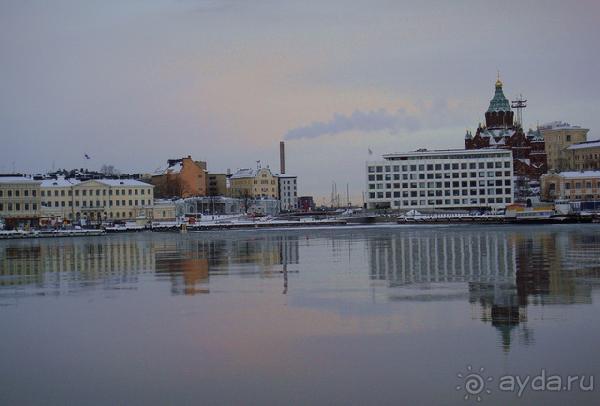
574	186
584	156
19	201
164	210
96	200
254	183
558	137
216	184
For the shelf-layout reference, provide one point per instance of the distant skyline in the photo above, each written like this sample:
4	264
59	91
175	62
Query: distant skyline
134	83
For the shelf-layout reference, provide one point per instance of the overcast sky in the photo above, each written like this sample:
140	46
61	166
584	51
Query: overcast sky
133	83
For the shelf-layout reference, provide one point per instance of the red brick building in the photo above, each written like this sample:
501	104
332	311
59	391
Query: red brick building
500	131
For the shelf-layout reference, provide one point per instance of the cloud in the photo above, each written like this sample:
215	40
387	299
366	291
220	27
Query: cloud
369	121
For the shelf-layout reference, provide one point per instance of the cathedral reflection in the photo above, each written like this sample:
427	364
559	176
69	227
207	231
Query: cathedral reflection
505	271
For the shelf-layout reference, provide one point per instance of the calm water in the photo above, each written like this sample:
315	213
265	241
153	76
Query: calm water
330	316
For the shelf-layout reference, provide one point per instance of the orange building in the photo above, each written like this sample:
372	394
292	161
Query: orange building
181	178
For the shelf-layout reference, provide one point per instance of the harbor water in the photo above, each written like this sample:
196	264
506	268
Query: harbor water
387	315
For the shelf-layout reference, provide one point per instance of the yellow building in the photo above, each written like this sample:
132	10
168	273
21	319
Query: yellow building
584	156
574	186
558	137
164	210
19	201
254	183
96	200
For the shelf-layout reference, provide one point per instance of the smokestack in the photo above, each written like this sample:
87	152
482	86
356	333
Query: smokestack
282	157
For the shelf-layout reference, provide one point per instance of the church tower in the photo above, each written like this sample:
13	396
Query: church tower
499	114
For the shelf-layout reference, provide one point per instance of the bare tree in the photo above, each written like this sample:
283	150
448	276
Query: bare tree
109	170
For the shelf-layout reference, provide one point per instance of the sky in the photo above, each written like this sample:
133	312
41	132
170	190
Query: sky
133	83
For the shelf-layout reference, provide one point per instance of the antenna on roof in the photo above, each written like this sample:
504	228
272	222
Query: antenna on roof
519	105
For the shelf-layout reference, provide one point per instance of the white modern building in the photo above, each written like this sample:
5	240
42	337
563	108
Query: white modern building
444	179
288	192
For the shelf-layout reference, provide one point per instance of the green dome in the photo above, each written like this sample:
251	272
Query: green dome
499	102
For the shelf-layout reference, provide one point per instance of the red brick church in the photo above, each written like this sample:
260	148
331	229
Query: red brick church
501	131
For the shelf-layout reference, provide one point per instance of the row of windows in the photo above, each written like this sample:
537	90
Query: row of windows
439	175
438	185
444	157
586	156
18	206
448	202
108	215
98	192
440	193
438	167
17	193
91	203
586	185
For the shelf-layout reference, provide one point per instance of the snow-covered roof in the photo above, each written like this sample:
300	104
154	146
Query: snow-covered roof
17	179
122	182
584	145
581	174
287	175
59	182
558	125
244	173
498	132
173	169
499	142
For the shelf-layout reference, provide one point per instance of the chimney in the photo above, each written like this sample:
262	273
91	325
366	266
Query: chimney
282	157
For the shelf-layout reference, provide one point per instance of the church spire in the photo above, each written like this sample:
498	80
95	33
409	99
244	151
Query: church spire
498	81
499	113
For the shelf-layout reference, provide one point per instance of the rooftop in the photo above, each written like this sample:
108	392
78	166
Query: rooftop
559	125
581	174
244	173
122	182
584	145
59	182
17	179
424	152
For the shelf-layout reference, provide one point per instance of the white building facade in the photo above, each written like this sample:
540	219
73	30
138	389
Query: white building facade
288	192
445	179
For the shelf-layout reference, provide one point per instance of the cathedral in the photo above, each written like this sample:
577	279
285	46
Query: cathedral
501	131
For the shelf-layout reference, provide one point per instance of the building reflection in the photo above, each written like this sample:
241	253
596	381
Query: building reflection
189	263
58	266
505	271
62	264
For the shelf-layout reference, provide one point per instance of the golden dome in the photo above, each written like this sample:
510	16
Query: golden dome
498	83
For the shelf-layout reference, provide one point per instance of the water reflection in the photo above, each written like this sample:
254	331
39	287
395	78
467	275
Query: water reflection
506	270
65	266
500	272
